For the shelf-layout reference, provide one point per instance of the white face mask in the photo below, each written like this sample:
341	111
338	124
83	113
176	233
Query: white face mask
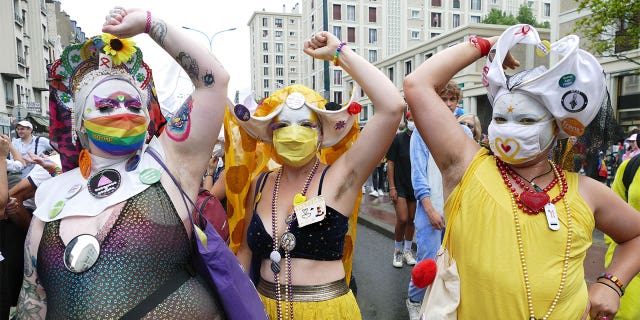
411	125
521	128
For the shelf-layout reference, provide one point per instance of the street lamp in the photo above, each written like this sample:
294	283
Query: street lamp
209	38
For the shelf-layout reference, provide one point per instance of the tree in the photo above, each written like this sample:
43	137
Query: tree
612	27
525	15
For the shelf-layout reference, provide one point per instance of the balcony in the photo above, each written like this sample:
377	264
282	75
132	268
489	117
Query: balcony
18	19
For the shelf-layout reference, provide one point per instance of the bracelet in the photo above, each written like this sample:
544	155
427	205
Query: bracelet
147	27
335	57
483	45
392	188
55	171
208	175
615	280
612	288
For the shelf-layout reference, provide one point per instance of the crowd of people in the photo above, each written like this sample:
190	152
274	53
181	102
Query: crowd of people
96	219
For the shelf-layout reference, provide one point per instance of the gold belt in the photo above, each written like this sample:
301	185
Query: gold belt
311	293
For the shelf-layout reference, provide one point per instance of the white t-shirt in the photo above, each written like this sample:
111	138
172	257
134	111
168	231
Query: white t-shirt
37	176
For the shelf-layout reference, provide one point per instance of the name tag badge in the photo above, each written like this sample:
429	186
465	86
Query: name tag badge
310	211
552	216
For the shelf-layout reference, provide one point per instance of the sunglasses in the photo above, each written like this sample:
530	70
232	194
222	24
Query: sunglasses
469	125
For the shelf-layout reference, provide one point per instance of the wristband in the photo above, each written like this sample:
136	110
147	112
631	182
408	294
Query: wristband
55	171
615	280
483	45
335	57
147	27
612	288
392	188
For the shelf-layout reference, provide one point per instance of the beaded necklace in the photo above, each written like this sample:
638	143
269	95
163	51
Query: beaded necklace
565	267
531	201
287	241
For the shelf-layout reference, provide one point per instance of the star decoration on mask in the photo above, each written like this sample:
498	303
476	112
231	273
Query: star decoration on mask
510	109
339	125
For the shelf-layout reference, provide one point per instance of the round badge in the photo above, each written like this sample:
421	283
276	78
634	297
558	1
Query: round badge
543	48
57	208
288	241
132	163
241	112
295	100
574	101
74	190
104	183
566	80
150	176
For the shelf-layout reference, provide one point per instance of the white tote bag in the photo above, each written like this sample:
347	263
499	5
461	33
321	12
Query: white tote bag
443	296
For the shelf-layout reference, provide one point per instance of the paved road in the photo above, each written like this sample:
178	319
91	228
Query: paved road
382	289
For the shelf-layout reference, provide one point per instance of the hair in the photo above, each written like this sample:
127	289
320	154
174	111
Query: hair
451	89
477	126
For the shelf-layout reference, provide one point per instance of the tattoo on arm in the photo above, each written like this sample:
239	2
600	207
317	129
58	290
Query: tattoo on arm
158	31
208	79
179	126
189	65
30	303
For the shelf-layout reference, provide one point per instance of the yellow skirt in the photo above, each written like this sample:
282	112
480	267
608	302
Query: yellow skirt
343	306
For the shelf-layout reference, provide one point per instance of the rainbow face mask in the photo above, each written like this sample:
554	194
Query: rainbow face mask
117	135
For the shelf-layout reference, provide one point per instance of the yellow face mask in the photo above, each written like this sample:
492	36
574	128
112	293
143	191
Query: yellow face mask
295	145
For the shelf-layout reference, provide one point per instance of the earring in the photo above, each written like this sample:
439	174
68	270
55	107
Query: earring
84	163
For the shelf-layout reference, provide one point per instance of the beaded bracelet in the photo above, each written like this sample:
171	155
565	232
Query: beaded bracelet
147	27
335	57
615	280
55	171
483	45
612	288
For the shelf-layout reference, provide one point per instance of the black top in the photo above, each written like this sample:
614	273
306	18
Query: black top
401	157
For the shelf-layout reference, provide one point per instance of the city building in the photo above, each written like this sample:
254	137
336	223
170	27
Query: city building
30	30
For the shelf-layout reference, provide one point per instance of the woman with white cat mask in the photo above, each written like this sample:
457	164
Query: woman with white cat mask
518	226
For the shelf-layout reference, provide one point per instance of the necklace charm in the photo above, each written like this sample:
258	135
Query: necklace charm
275	267
552	216
288	241
534	200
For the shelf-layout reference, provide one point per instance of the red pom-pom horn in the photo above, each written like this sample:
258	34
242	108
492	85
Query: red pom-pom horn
424	273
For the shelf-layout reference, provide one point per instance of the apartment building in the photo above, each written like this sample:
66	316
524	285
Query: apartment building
30	30
276	55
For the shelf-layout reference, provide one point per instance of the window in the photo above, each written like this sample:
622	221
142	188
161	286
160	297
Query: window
351	34
278	34
279	83
456	20
372	14
292	21
8	89
364	114
351	13
436	3
391	73
265	71
547	9
456	4
279	72
529	4
291	58
292	81
266	94
265	22
415	35
475	19
279	60
292	45
427	56
337	97
337	31
265	33
266	83
292	33
265	46
337	12
434	34
265	59
435	19
292	69
476	5
407	67
279	47
373	56
337	77
373	35
278	22
415	14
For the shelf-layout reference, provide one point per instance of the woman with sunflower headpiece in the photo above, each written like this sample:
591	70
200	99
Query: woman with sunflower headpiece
294	232
110	236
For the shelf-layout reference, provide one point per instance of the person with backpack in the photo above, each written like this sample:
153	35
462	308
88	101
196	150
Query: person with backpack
27	142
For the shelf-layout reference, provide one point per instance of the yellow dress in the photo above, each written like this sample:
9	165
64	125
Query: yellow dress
630	302
483	243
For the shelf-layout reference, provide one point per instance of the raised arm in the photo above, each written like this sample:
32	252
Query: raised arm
5	145
191	132
359	161
433	119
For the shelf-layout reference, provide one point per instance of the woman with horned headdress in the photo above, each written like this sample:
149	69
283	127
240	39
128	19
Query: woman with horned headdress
112	231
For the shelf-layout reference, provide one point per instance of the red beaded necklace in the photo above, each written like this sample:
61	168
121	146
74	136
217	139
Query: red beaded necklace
531	201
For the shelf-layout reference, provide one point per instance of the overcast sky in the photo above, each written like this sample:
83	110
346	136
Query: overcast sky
209	16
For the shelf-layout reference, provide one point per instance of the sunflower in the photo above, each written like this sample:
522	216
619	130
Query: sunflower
121	49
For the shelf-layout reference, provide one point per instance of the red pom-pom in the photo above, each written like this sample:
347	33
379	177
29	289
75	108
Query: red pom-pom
354	108
424	273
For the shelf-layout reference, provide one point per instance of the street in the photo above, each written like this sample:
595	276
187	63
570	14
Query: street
382	289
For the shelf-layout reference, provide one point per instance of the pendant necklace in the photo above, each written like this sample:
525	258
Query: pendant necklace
287	242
